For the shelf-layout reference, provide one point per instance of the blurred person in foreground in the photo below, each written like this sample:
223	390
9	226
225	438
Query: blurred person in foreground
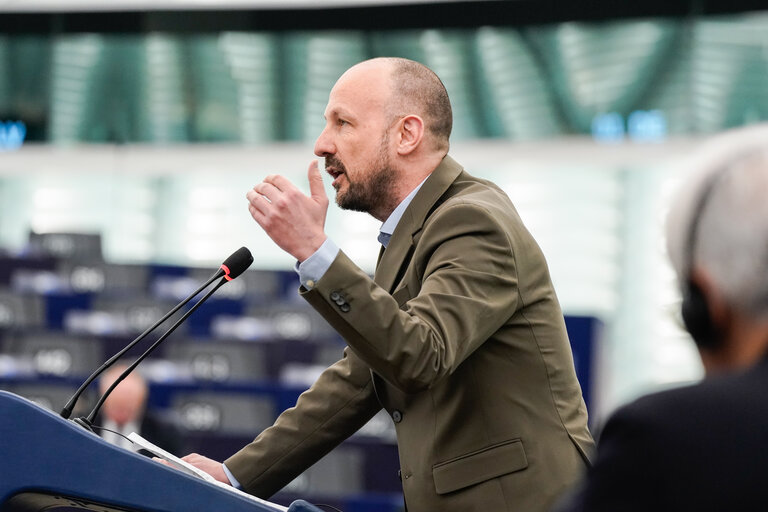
702	447
459	335
125	411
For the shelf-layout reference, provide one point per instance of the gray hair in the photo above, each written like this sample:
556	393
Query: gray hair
726	232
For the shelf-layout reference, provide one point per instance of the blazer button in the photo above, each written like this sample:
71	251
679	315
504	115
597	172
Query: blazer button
344	307
397	416
335	296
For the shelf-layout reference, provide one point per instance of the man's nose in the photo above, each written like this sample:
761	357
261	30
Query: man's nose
324	145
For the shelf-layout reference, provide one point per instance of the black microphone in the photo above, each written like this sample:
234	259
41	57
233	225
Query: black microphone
237	263
232	267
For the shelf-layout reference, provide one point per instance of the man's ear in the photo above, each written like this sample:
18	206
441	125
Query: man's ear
410	134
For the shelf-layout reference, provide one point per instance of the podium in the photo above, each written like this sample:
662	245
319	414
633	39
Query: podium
49	463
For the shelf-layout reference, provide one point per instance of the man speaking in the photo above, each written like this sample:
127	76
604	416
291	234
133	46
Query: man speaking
459	335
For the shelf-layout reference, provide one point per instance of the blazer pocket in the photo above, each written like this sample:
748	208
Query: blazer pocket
479	466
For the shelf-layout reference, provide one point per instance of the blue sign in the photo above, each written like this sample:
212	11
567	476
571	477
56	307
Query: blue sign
647	125
608	127
641	126
12	134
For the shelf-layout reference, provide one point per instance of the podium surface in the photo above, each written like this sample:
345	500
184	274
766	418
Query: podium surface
49	463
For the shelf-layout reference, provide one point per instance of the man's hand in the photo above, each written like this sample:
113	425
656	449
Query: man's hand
212	467
293	220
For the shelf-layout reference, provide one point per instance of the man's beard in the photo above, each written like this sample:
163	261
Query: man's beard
371	191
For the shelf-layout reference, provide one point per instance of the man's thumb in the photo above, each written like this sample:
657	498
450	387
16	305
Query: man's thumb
316	187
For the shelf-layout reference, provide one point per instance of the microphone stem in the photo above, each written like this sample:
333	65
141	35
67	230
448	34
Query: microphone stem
92	416
67	410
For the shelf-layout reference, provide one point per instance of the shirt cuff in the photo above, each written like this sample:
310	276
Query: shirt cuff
313	268
232	479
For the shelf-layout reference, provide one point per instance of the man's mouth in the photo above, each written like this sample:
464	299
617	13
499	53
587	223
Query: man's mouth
335	171
336	183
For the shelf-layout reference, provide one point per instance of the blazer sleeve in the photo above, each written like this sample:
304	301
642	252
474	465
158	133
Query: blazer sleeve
460	289
340	402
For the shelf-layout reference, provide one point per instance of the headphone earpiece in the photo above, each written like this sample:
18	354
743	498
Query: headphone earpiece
694	309
696	316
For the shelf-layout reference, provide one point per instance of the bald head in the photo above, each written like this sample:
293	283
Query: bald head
387	125
412	88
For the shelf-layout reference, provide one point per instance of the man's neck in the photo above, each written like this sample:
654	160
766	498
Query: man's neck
745	344
409	179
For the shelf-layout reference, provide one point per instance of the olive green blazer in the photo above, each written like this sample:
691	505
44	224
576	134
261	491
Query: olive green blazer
460	337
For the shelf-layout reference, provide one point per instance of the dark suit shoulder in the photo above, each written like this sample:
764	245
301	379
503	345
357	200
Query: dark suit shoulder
736	395
692	448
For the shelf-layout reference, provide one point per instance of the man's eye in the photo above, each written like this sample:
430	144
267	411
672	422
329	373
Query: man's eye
342	122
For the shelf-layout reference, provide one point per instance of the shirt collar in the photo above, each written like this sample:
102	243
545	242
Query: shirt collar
386	229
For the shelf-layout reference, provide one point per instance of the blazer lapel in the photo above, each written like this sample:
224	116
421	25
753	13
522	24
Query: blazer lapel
397	253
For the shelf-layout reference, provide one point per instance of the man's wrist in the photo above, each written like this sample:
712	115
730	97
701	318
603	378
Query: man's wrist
232	480
314	245
315	266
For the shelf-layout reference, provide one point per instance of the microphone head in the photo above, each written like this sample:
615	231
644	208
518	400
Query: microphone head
237	263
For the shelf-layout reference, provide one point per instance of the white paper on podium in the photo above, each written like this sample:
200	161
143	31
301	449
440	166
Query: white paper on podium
188	468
